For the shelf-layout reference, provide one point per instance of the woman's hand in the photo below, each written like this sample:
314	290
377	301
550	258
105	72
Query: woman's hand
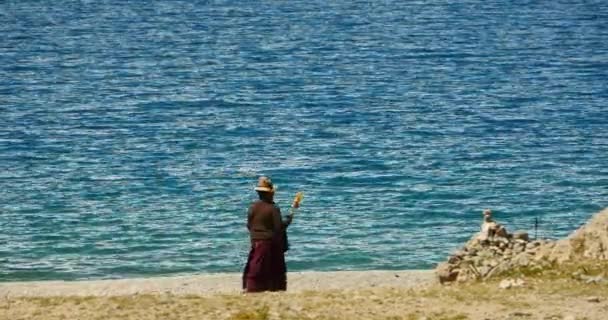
296	201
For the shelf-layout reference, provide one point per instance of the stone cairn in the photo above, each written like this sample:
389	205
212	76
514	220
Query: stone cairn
491	252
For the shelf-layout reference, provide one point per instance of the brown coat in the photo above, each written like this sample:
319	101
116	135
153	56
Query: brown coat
264	221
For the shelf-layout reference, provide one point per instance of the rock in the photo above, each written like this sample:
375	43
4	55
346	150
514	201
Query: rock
531	250
446	273
596	279
477	261
496	252
484	270
493	263
521	235
502	267
501	232
485	254
454	259
521	314
511	283
519	283
488	229
465	275
459	253
505	284
502	240
521	260
593	299
590	241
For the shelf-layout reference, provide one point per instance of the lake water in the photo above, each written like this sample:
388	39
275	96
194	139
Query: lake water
133	132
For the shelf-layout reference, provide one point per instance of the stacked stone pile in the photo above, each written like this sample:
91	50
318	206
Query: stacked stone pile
482	259
494	251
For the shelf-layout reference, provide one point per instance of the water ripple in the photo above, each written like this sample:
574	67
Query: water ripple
131	134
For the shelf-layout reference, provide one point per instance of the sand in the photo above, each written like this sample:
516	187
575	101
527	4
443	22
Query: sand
310	298
215	284
393	295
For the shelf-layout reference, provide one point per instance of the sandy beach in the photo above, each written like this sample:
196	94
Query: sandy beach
387	295
216	284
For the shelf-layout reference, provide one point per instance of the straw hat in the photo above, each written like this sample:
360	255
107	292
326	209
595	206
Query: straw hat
265	185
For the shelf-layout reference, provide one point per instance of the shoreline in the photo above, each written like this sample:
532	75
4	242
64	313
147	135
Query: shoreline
220	283
545	297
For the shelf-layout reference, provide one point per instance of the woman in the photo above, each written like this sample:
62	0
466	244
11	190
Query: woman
265	269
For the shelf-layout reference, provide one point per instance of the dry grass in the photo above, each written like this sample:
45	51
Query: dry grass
556	270
468	301
549	294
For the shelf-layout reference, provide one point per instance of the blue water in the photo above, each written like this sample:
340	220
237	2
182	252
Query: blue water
132	132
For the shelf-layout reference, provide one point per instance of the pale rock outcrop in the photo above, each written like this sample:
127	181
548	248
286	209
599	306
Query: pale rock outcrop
588	242
494	251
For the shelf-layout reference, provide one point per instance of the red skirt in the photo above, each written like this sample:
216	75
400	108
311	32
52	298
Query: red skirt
265	269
